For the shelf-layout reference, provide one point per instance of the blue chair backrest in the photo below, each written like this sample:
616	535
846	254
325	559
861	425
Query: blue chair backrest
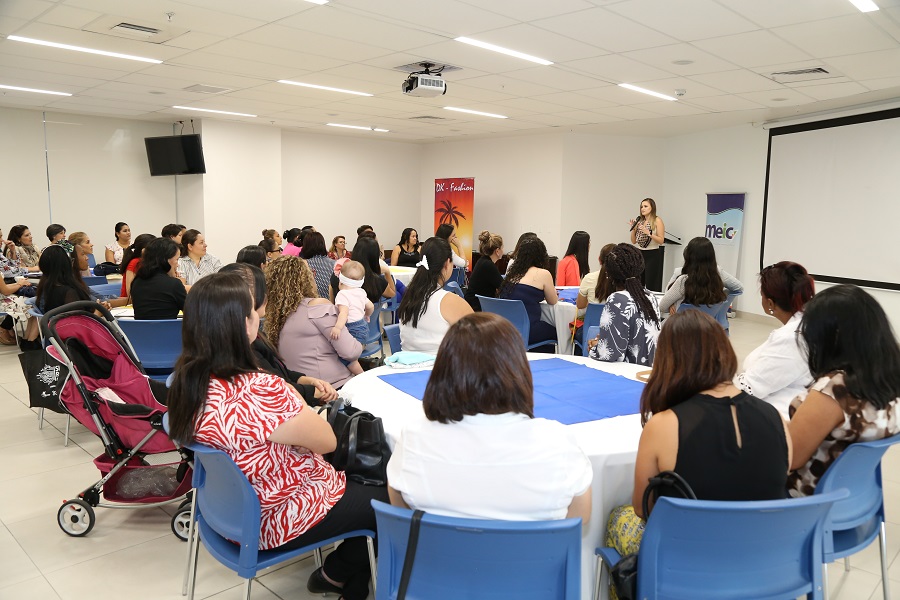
469	558
589	334
593	313
393	336
713	549
452	286
375	325
109	289
92	262
458	276
719	311
511	310
95	280
156	343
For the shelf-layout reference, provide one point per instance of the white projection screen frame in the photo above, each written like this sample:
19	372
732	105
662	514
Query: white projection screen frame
832	200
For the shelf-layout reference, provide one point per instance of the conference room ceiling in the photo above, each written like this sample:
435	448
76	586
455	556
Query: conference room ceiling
722	53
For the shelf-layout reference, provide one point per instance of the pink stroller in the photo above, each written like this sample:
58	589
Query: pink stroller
107	391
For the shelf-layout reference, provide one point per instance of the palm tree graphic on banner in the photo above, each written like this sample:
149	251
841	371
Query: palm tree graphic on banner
449	213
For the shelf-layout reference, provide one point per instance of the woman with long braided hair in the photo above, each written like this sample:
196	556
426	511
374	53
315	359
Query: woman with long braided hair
630	322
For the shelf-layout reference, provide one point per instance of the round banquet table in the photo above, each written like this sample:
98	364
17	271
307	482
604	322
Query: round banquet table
610	444
403	274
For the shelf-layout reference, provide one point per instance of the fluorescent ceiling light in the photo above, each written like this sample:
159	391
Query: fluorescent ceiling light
322	87
635	88
503	50
864	5
21	89
221	112
358	127
17	38
318	1
475	112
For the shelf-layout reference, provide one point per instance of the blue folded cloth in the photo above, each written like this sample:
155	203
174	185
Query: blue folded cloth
407	360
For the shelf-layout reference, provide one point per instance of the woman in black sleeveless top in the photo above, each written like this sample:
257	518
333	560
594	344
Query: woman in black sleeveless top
726	444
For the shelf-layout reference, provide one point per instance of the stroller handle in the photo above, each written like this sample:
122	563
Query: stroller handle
88	305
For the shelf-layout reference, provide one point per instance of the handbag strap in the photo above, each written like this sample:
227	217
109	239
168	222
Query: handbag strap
345	453
669	479
410	557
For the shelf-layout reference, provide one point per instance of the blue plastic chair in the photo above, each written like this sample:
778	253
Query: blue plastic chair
227	508
92	262
591	319
393	336
458	276
713	550
157	344
95	280
373	342
514	312
856	521
452	286
719	311
591	333
108	289
389	307
479	559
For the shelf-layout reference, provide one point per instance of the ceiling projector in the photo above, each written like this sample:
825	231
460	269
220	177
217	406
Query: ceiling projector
424	85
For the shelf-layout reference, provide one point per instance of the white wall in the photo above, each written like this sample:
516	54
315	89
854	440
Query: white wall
338	183
23	172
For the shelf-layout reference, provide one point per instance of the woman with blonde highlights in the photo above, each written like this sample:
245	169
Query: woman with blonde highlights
299	324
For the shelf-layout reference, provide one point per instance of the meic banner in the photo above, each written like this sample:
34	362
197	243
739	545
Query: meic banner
454	204
724	224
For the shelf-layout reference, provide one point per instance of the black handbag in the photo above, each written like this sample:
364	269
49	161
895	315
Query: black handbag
106	268
45	377
362	451
623	575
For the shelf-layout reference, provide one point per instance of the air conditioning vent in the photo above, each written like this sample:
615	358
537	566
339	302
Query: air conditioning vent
136	29
802	75
206	89
428	118
155	32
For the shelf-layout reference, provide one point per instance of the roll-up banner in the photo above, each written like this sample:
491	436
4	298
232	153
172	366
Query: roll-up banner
724	224
454	204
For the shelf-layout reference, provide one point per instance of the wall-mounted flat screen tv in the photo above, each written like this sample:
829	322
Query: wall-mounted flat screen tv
175	155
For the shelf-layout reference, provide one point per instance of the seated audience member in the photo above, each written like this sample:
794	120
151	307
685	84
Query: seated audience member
80	238
23	251
701	281
116	250
252	255
445	231
478	452
630	322
427	310
595	288
362	228
522	238
56	232
316	256
197	263
272	234
726	444
529	280
173	231
854	361
407	252
778	371
292	237
313	391
378	282
156	292
299	323
338	249
270	248
60	282
486	278
131	260
354	308
574	264
275	439
12	301
306	229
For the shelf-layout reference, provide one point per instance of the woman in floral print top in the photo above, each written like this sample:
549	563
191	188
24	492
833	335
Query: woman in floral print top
855	362
630	322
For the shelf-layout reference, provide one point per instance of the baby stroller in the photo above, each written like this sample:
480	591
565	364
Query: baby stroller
107	391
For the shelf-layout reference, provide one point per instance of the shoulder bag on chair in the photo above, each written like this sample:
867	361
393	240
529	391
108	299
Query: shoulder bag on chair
45	377
362	450
623	575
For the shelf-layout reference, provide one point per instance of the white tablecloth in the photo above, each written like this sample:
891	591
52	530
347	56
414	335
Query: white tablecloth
403	274
610	444
560	315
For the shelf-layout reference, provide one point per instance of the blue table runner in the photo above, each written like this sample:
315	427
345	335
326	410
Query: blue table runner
563	391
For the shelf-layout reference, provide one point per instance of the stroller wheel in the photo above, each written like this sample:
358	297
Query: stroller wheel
181	521
76	518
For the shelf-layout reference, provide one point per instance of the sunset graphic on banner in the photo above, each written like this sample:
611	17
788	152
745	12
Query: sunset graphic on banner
454	203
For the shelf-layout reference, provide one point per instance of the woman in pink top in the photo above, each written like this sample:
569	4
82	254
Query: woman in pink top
292	237
299	324
574	264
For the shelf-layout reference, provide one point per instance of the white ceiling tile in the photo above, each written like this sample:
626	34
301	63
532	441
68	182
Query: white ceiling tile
471	57
507	85
685	20
311	43
671	109
664	57
726	103
24	9
59	82
167	97
832	37
279	93
882	84
87	102
554	120
359	74
557	78
869	65
54	66
191	76
292	61
9	25
833	90
789	97
753	49
232	65
448	17
97	41
530	10
775	13
693	89
604	29
629	113
615	95
737	82
585	116
566	100
532	105
65	59
364	29
69	16
119	110
24	99
193	40
474	93
270	10
615	68
886	23
540	42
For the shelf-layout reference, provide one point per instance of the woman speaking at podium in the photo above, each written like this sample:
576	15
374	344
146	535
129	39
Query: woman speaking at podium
648	232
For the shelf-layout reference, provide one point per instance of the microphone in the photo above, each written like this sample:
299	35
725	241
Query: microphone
635	224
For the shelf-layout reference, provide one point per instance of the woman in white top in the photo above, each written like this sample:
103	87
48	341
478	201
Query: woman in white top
448	232
778	371
427	311
701	280
478	452
116	250
197	263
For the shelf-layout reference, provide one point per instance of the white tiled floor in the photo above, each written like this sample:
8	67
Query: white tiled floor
132	554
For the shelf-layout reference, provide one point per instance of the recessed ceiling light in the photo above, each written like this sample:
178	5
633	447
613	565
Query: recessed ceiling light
682	63
358	127
635	88
209	110
322	87
502	50
21	89
475	112
864	5
778	99
17	38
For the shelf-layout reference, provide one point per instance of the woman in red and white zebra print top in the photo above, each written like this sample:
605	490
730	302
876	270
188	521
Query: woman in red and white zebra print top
221	399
